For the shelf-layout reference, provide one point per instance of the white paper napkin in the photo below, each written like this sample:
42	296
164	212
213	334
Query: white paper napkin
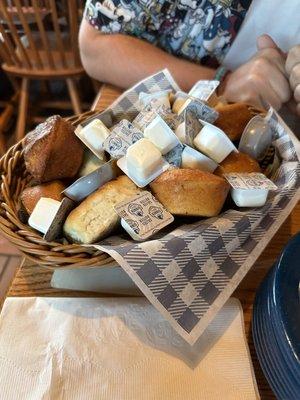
118	349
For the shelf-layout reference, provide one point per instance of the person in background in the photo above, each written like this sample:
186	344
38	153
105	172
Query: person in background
234	41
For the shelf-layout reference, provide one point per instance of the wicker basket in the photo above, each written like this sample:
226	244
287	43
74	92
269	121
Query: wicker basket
14	178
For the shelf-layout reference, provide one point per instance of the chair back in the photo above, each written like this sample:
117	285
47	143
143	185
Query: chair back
40	36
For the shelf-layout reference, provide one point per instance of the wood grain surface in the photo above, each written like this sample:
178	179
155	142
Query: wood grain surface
33	280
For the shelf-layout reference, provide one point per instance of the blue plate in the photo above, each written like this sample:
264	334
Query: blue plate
265	345
285	295
270	353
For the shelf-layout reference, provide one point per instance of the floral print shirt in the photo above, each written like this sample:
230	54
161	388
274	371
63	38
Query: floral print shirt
198	30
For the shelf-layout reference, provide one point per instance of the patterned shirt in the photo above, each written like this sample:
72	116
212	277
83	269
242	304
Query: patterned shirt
198	30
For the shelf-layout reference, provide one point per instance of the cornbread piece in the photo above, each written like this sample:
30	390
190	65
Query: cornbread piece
190	192
233	118
52	150
237	162
31	195
95	218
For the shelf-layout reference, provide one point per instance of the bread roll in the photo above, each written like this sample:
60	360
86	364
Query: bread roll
95	218
52	150
190	192
233	118
237	162
31	195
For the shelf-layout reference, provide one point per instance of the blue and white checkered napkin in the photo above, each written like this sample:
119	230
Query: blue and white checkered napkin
189	273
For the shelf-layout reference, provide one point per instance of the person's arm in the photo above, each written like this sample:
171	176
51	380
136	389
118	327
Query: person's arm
124	60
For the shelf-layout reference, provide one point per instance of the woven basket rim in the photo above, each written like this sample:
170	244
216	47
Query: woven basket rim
31	243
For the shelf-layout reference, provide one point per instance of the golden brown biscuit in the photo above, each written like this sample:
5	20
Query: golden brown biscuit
233	118
190	192
237	162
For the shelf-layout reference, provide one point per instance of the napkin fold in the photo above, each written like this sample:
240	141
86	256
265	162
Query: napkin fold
118	349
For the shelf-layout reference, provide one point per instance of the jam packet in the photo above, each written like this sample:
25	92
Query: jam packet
142	216
123	135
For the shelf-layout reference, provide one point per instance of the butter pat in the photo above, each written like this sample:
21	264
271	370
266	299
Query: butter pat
249	197
143	158
143	162
161	135
93	136
43	214
192	159
213	142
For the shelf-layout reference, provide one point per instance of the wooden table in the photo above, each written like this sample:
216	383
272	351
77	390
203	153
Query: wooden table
33	280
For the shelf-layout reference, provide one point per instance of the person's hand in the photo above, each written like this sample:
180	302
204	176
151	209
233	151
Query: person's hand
263	77
292	67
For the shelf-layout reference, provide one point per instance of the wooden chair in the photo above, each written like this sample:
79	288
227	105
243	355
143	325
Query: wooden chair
39	41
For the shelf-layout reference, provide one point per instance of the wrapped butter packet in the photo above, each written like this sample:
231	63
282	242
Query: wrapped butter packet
205	90
143	162
149	113
213	142
56	226
123	135
174	156
87	184
49	215
142	216
94	131
184	101
156	99
190	126
249	189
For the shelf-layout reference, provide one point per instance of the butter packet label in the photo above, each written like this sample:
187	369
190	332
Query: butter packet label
173	157
192	127
56	225
202	111
206	91
86	185
123	135
155	99
250	180
143	215
149	113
